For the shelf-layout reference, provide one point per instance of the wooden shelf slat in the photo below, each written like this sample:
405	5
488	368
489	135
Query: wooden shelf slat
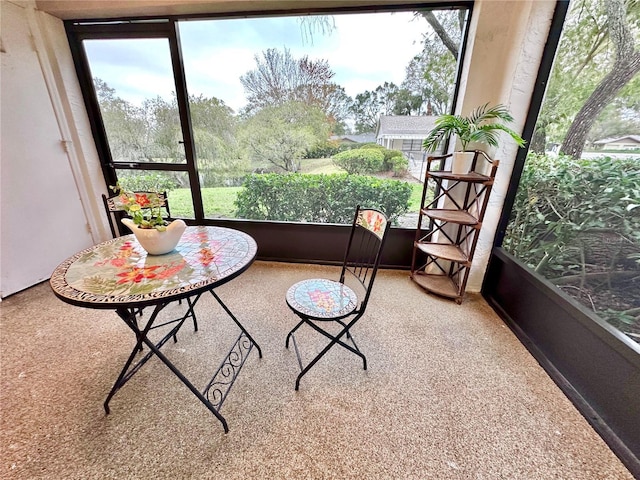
444	251
438	284
463	177
455	216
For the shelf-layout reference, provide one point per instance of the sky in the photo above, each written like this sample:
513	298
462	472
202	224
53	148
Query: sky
363	50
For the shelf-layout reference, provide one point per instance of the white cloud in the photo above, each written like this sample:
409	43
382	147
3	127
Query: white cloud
375	48
364	51
217	72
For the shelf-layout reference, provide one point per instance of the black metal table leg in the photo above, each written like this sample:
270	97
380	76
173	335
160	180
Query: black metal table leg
129	318
226	309
218	387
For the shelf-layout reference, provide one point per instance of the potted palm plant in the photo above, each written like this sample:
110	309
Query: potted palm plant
482	126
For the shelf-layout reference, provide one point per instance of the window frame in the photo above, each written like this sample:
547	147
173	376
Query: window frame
168	27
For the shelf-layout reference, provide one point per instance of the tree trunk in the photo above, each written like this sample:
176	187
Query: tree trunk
601	97
627	64
538	142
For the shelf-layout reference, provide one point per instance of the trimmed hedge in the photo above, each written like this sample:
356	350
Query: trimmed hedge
360	160
398	164
319	198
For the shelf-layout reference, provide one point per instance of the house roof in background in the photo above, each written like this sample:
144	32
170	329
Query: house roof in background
360	138
405	126
630	138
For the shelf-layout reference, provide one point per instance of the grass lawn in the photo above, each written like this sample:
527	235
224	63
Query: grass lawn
319	165
218	201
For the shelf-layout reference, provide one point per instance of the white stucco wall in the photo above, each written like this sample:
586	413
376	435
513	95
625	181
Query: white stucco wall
503	55
43	217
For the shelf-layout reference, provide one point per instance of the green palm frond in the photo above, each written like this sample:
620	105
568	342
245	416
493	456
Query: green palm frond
484	113
485	134
512	133
479	127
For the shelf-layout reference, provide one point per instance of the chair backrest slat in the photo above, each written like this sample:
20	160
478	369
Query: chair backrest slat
366	241
114	209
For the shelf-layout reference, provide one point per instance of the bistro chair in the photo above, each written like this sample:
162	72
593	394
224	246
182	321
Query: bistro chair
115	211
326	305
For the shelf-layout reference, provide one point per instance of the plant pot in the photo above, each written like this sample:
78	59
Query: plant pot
461	162
154	241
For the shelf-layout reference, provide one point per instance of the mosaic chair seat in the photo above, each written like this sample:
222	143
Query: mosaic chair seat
327	305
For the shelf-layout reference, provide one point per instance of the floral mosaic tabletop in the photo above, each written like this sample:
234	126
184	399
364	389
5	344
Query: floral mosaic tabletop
119	273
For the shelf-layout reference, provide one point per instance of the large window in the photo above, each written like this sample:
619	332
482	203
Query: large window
274	118
576	217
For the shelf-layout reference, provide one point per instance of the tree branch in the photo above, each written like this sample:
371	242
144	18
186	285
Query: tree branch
442	33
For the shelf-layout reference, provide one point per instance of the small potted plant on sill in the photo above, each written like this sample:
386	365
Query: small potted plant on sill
154	233
482	126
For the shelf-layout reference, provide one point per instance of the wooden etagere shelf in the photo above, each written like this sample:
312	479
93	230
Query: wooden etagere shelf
451	213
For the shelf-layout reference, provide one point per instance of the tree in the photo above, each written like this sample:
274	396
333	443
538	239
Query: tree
163	130
574	73
219	156
625	66
279	78
387	95
366	111
369	105
431	74
442	28
310	24
339	111
407	103
616	120
125	125
281	134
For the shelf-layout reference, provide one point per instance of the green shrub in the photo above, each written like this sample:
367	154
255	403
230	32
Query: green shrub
212	177
389	154
577	223
323	150
399	165
319	198
360	161
394	160
137	182
562	204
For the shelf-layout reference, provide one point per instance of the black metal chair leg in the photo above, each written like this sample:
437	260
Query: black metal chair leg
337	337
293	330
334	340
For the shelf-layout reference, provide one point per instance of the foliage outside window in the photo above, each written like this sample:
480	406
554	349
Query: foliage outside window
576	217
300	97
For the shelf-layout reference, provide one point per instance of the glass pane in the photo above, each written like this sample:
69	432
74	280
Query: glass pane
343	102
176	184
576	218
134	83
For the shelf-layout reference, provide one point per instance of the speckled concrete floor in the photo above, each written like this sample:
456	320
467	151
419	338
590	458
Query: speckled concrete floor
450	393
